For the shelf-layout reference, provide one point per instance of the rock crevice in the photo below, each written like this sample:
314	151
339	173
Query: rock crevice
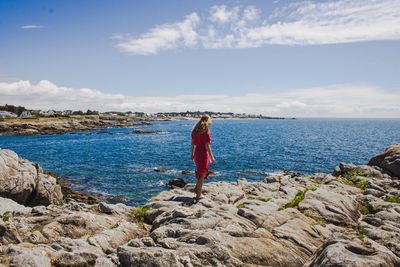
350	218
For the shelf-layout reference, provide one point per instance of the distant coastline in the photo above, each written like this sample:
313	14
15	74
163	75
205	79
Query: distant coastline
17	120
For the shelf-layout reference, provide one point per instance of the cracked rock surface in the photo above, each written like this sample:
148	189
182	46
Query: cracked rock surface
348	218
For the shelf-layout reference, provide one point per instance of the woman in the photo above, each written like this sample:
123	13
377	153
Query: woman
200	151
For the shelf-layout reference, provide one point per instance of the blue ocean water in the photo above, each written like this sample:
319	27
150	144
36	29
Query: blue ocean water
122	163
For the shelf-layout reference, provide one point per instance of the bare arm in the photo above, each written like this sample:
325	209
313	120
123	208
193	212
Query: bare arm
192	151
208	147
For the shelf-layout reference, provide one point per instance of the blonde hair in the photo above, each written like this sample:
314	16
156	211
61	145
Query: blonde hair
202	125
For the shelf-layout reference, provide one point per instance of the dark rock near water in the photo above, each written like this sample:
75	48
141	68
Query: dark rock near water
141	131
159	169
176	182
25	182
64	125
388	160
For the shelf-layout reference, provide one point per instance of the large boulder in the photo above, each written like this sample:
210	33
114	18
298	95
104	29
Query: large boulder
9	206
388	160
26	256
25	182
344	251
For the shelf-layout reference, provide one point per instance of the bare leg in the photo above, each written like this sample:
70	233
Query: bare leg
199	184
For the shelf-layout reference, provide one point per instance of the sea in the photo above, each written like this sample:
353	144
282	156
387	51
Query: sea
121	166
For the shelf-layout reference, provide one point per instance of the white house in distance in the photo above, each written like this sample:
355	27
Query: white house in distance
67	112
47	112
25	114
7	114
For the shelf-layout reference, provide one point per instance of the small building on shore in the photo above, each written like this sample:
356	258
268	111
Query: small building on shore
25	114
7	114
47	113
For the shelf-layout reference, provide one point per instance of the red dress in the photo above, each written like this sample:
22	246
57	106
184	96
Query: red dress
201	157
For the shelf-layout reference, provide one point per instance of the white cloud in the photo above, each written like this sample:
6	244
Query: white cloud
162	37
31	26
222	14
332	101
300	23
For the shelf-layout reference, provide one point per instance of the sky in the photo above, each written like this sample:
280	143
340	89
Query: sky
331	58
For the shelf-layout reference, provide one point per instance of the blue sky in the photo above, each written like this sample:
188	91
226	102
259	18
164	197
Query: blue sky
291	58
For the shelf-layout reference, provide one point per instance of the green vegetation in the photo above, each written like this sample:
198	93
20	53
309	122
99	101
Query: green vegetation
366	209
317	220
14	109
350	175
5	218
240	206
94	209
139	212
300	195
349	179
274	189
393	199
361	184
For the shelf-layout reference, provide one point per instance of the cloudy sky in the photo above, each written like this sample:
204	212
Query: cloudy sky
332	58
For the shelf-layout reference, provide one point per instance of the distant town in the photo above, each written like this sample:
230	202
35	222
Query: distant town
11	111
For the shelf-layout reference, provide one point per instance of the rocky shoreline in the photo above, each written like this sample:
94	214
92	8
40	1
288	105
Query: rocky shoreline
65	125
348	218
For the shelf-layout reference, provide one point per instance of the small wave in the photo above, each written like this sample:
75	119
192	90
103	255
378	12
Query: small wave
273	173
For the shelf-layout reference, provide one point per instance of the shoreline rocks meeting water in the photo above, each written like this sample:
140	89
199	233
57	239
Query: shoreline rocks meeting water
41	126
348	218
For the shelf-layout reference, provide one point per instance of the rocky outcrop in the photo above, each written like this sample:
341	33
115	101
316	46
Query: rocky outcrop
176	182
74	234
388	160
350	218
64	125
25	182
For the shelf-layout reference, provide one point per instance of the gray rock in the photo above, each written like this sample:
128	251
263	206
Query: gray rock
334	203
19	256
236	224
373	192
25	182
344	252
388	160
18	178
110	239
152	257
271	179
177	182
104	262
70	260
364	170
47	192
10	206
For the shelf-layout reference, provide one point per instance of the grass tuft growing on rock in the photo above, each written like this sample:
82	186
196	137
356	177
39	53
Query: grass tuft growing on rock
365	209
5	218
300	195
393	199
240	206
317	220
349	179
361	184
352	174
139	212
